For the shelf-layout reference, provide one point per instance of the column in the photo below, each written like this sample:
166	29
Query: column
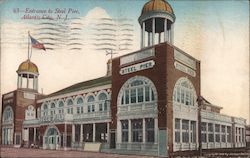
119	132
156	129
143	130
18	82
27	81
65	135
108	133
172	34
148	39
180	130
73	133
159	40
143	35
129	131
81	134
153	31
34	136
165	30
93	132
21	80
28	136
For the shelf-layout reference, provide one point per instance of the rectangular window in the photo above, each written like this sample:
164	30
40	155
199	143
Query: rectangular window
210	132
126	96
140	95
177	130
89	108
229	134
204	132
133	95
150	134
182	96
93	108
78	110
217	133
187	96
81	109
223	134
124	124
136	130
185	132
178	94
147	95
100	107
193	132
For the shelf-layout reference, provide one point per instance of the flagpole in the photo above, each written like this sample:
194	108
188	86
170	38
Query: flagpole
28	44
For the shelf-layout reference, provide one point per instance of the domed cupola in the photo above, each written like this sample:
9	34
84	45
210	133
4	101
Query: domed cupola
27	75
157	23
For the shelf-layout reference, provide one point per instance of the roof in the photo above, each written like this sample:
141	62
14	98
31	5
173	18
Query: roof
28	66
157	5
82	85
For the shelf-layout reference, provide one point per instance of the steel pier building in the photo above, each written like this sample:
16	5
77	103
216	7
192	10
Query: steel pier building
148	103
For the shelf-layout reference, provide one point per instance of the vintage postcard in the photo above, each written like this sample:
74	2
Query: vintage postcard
113	78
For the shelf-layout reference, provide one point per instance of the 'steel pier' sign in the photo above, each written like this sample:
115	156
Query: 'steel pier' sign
137	67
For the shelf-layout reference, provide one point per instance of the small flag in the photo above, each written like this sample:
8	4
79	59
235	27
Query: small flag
36	44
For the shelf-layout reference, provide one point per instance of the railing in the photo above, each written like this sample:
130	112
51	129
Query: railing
142	107
90	115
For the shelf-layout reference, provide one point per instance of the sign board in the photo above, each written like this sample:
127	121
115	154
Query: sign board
28	96
184	69
143	54
137	67
182	58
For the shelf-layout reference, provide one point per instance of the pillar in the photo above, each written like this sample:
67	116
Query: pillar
28	136
108	133
34	136
73	133
27	81
143	130
81	133
129	131
65	136
21	81
165	30
156	129
172	34
93	132
143	35
153	31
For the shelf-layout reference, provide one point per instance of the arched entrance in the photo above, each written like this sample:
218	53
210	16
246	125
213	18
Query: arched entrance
52	138
7	126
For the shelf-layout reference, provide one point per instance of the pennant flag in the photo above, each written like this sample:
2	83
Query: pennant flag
36	44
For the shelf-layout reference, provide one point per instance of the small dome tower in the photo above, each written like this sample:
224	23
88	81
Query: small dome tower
157	23
27	75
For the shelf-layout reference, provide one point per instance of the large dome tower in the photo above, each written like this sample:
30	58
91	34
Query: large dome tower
27	75
157	23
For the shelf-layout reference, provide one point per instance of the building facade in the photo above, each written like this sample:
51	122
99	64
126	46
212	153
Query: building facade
146	104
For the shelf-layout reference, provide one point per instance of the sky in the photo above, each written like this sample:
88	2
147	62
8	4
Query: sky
214	32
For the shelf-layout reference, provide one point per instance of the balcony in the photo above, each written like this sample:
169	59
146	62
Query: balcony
137	109
98	115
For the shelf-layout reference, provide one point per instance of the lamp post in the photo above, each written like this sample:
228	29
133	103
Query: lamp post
199	102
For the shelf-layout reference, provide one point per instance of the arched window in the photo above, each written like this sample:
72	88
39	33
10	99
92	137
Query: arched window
30	113
137	90
60	107
7	115
70	106
52	109
79	103
184	92
91	104
45	110
103	102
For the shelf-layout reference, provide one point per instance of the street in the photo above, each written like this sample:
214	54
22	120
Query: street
27	152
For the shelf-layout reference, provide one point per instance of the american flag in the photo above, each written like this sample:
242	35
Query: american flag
36	44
